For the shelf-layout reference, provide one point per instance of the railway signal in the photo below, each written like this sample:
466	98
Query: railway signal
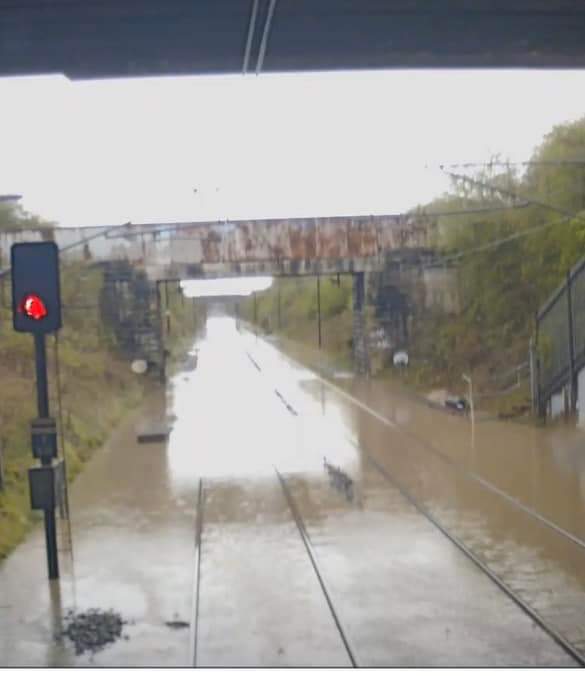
36	294
36	309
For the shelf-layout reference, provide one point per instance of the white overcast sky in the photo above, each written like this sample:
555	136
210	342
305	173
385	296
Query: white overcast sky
111	151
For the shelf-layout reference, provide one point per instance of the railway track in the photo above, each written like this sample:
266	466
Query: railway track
311	554
197	575
313	559
351	653
525	607
572	650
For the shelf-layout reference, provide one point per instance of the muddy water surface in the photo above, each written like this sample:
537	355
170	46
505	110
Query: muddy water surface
402	594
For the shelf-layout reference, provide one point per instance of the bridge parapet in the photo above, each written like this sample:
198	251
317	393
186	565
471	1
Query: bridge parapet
243	247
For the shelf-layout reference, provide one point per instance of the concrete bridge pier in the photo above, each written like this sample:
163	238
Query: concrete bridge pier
361	357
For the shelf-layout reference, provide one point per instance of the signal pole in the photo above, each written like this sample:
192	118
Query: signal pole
43	412
36	309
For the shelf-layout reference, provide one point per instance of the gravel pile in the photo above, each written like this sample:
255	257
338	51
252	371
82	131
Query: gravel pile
92	630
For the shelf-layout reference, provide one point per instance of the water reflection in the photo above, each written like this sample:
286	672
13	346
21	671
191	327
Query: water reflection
232	420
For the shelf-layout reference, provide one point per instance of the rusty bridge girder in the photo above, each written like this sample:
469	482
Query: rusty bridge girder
291	246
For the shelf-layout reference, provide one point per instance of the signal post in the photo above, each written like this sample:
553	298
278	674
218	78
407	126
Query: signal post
36	309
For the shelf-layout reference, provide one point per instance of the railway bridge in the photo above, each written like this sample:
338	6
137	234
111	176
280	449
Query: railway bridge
277	247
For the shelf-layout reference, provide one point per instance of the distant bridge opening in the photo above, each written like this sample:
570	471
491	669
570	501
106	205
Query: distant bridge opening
230	286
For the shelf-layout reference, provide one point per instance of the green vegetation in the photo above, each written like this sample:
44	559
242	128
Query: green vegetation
298	312
97	385
507	261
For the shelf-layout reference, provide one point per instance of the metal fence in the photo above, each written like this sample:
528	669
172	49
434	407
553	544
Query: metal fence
558	348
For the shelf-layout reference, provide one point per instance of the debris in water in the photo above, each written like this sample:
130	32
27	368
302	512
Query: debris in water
92	630
339	479
177	624
154	433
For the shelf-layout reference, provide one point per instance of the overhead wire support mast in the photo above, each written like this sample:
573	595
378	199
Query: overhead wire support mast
508	193
568	215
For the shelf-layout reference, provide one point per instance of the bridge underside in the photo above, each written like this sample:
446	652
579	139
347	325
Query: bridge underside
109	38
285	268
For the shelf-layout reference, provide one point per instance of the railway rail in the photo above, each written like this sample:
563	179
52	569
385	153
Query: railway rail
566	645
572	650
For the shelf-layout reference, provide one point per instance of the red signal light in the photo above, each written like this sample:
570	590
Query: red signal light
32	306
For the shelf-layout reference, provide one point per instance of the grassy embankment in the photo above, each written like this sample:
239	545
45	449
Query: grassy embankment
298	302
97	390
509	252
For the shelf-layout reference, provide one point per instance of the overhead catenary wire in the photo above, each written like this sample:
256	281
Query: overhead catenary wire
568	215
506	192
79	242
525	163
493	244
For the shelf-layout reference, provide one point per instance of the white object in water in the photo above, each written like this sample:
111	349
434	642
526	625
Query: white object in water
400	358
139	366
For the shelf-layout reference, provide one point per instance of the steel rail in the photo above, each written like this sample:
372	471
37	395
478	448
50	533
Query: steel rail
488	485
496	579
197	573
534	615
351	653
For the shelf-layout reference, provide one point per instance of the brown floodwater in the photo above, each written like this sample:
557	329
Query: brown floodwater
402	594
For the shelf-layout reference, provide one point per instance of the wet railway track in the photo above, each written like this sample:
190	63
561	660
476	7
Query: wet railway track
312	558
568	646
320	572
571	650
351	652
197	571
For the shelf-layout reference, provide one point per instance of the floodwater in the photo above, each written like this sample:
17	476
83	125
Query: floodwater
402	593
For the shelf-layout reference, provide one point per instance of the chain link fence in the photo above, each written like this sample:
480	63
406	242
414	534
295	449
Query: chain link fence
558	347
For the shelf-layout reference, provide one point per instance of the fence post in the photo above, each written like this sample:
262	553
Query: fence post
534	384
319	310
572	375
279	305
1	464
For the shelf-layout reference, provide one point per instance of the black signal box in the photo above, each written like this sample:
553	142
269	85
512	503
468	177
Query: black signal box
44	438
36	289
46	485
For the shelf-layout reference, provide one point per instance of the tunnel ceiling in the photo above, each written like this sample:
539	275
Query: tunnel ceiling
111	38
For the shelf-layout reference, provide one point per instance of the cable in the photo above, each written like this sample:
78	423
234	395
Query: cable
79	242
465	212
494	244
491	245
507	193
526	163
64	458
